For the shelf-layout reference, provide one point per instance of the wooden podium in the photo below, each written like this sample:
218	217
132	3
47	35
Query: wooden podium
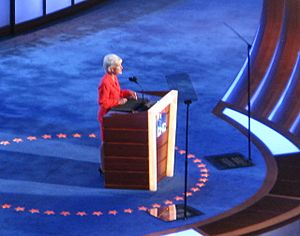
139	147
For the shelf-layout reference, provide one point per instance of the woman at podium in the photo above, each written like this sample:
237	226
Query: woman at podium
110	93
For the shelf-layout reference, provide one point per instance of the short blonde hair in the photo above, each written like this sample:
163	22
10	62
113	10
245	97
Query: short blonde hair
110	61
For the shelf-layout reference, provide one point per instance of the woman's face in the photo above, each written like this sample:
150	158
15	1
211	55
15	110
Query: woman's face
118	69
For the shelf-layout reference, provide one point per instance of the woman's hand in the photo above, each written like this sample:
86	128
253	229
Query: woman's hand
122	101
134	96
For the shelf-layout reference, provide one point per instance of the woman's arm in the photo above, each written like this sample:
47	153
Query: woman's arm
126	93
105	101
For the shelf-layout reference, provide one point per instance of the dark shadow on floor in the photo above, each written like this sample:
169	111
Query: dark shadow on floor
37	168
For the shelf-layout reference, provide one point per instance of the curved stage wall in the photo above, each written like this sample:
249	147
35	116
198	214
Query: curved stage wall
275	122
21	15
274	79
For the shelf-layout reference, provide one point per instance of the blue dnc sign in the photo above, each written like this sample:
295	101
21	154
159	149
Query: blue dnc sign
161	125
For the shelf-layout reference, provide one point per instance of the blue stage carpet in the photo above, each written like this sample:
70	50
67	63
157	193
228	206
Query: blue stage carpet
49	135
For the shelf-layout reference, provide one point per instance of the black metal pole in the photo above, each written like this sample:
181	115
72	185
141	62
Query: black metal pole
249	103
44	7
12	16
187	102
248	89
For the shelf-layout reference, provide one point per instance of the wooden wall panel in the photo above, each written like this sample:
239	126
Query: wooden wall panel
263	51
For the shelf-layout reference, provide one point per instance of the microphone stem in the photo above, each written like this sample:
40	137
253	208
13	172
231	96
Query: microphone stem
134	80
142	91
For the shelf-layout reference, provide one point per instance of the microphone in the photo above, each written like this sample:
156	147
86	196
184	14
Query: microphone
135	80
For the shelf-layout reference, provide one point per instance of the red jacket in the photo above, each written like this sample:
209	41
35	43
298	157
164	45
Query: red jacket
109	94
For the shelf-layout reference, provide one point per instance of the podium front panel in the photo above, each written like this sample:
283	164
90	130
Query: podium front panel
162	131
138	148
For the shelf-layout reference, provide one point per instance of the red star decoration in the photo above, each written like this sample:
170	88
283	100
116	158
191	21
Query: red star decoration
168	202
195	189
204	170
31	138
34	211
46	136
19	208
60	135
92	135
181	152
77	135
97	213
201	165
5	142
205	175
156	205
142	208
190	156
177	198
81	213
17	140
113	212
204	180
65	213
49	212
188	194
128	210
6	206
200	185
197	161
